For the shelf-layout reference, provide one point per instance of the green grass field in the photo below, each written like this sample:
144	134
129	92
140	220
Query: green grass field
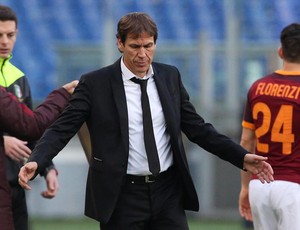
88	224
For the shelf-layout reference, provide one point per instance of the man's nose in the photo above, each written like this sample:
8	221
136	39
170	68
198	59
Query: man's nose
3	39
142	51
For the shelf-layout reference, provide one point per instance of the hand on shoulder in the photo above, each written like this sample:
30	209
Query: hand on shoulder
71	86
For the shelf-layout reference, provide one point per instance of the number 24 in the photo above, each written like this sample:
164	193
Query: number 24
281	129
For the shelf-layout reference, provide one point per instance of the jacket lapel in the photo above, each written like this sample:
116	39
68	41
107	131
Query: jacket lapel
166	100
120	100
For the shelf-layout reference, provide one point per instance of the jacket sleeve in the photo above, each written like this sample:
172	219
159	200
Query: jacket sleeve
206	135
28	101
18	120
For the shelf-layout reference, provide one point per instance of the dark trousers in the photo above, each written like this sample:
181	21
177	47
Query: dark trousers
149	206
19	208
6	220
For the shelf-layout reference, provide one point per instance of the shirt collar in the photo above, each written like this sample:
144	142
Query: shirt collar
4	59
127	74
285	72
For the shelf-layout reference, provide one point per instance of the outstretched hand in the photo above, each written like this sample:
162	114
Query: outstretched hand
258	166
26	173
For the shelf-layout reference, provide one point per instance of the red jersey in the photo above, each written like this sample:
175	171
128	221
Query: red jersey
273	111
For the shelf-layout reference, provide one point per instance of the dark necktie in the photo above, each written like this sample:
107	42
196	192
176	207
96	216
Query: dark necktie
149	139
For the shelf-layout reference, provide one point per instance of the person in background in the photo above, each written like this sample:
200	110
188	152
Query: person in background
17	119
17	150
136	111
271	128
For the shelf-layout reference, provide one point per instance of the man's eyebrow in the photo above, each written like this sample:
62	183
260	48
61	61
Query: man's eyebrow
135	44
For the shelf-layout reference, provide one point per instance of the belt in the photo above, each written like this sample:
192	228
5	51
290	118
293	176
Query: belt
134	179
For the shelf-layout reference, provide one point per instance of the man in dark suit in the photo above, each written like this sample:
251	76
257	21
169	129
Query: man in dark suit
124	190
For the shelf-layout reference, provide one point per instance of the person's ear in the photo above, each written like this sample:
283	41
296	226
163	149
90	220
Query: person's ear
280	52
120	45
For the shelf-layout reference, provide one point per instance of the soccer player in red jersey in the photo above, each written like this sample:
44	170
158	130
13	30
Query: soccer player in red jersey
271	128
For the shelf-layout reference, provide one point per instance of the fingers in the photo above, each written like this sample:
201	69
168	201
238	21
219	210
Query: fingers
16	149
51	191
269	169
265	177
71	86
23	182
244	204
22	153
48	194
246	213
265	174
258	158
258	166
52	185
245	209
26	173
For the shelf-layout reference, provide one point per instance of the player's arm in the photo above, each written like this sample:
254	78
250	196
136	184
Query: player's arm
248	141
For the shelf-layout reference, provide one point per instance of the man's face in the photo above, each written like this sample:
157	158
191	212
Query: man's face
138	53
8	34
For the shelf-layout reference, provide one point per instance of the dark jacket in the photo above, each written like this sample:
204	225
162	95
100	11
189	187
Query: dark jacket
15	82
100	100
21	122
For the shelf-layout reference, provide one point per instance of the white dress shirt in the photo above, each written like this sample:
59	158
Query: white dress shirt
137	161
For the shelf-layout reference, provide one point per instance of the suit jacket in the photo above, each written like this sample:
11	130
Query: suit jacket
100	101
25	124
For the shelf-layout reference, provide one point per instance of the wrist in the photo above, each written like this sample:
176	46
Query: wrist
49	169
54	170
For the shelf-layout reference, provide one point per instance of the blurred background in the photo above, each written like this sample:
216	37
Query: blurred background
219	46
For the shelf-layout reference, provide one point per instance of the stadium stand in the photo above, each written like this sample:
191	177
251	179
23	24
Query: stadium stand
44	23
